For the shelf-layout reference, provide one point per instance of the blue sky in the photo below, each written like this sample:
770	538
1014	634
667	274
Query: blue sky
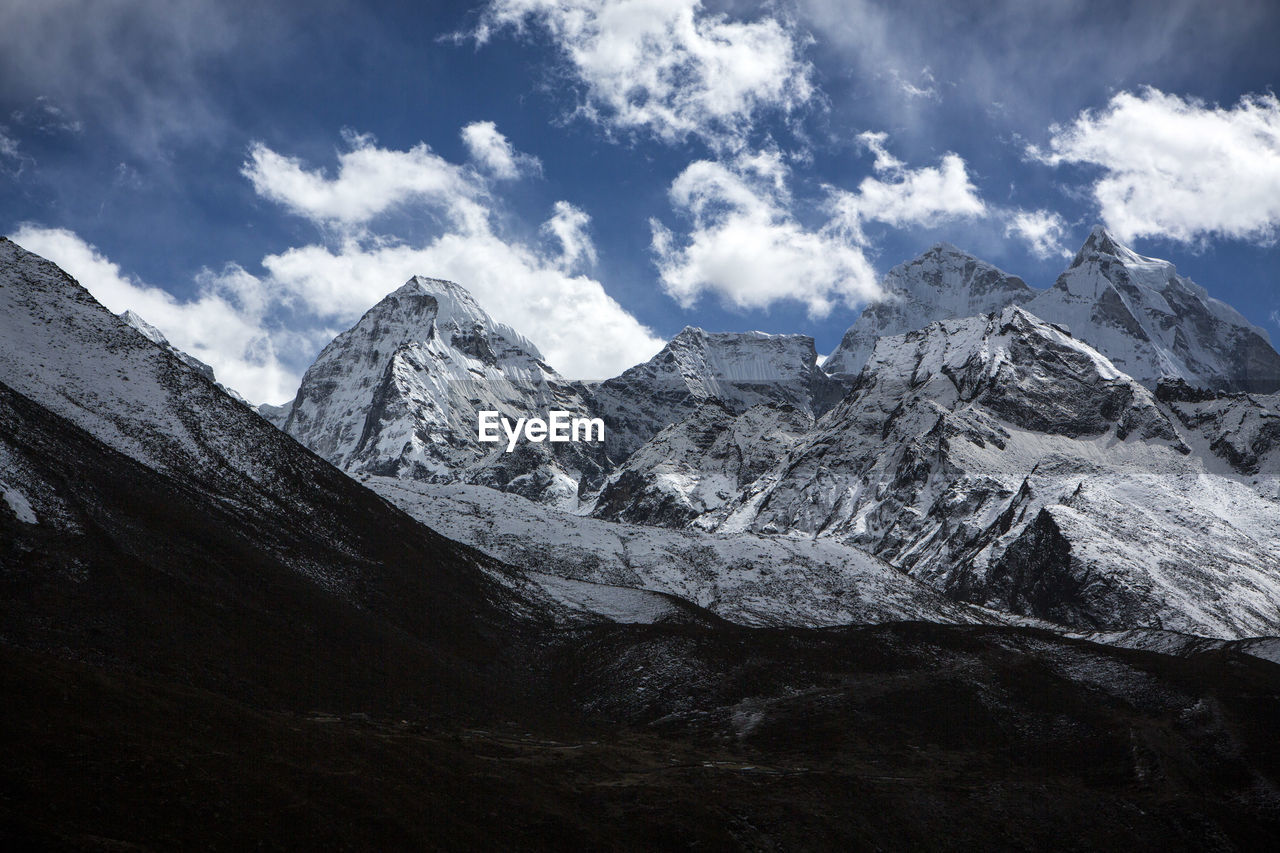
252	176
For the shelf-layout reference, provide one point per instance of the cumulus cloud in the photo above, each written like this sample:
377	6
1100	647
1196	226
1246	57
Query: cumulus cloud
259	332
666	67
899	196
224	325
745	245
370	181
493	153
1042	230
579	328
1178	167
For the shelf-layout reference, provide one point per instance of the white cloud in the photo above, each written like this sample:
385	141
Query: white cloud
223	325
667	66
260	333
745	245
907	196
370	181
491	150
1179	168
581	330
1043	231
568	224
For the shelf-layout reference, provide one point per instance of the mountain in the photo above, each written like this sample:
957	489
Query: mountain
1003	462
695	465
154	335
941	284
212	638
277	415
399	394
1243	430
1153	323
737	369
744	578
168	530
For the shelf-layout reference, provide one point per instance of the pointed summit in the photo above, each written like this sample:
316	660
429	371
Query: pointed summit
942	283
398	394
1101	243
156	336
1154	323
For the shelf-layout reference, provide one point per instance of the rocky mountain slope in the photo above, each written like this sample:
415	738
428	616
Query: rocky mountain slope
747	579
1151	322
737	369
399	393
168	530
1242	430
212	638
695	465
1002	461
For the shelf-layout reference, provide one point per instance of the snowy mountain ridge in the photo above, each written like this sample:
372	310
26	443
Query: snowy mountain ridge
399	393
1150	321
737	369
1003	462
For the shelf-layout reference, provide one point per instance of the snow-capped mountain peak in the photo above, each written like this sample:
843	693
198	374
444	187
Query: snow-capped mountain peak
942	283
399	394
1100	242
1154	323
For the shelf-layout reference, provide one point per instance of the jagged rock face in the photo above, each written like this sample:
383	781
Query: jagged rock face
696	465
1153	323
941	284
1241	429
738	369
399	393
752	580
1000	460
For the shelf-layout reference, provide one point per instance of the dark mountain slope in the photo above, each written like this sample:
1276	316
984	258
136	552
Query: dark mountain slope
909	736
135	569
210	638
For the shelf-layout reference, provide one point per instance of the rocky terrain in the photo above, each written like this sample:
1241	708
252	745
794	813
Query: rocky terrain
399	393
997	456
212	637
1151	322
737	369
942	284
697	464
1005	463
